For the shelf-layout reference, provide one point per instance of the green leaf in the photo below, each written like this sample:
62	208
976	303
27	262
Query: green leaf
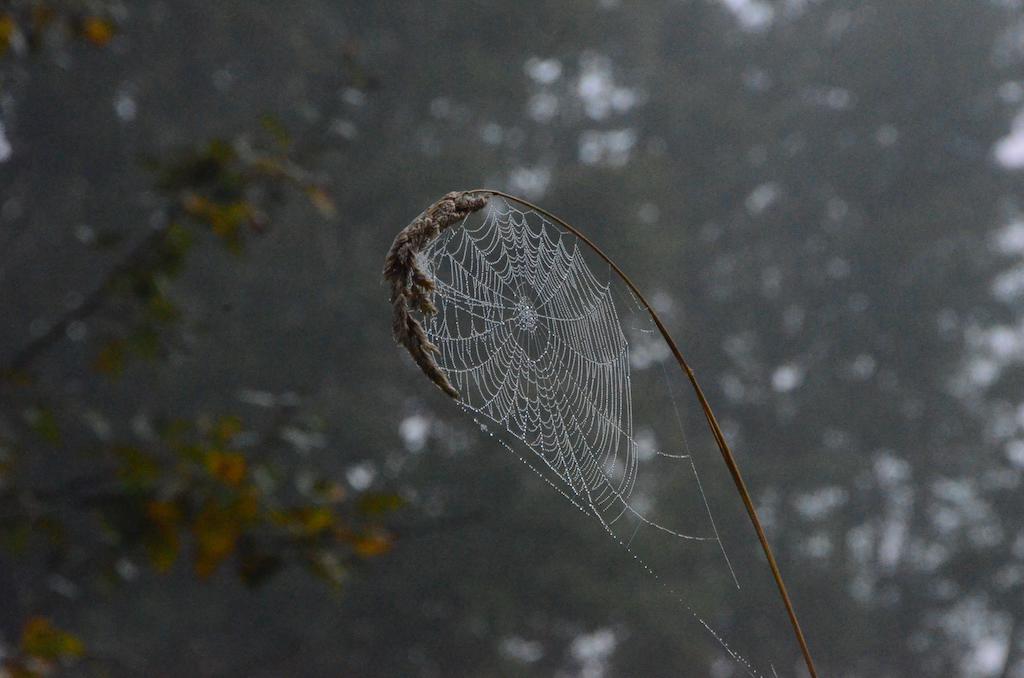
273	126
162	309
375	503
44	423
110	359
162	540
136	467
42	640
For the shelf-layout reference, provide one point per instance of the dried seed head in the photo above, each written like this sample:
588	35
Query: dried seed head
411	284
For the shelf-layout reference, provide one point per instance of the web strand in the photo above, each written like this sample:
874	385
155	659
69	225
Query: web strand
534	343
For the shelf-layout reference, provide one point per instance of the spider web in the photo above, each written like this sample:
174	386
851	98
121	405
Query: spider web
534	343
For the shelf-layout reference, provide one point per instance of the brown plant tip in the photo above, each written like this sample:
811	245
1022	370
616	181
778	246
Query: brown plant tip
412	286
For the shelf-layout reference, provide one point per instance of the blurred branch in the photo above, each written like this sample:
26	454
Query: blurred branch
93	302
223	187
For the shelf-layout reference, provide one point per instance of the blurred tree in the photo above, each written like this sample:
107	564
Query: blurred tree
80	506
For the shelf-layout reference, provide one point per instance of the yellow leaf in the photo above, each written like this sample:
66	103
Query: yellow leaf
276	128
318	519
227	467
322	201
136	466
306	520
165	513
97	30
216	531
197	206
163	543
110	360
227	428
163	546
334	493
378	502
247	506
163	309
372	544
7	29
41	639
226	220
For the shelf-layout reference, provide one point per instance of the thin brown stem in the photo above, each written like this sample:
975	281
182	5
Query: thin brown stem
716	430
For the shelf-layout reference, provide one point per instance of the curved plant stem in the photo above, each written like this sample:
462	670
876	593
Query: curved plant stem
716	430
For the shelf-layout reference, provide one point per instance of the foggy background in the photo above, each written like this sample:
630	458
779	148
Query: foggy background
214	461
